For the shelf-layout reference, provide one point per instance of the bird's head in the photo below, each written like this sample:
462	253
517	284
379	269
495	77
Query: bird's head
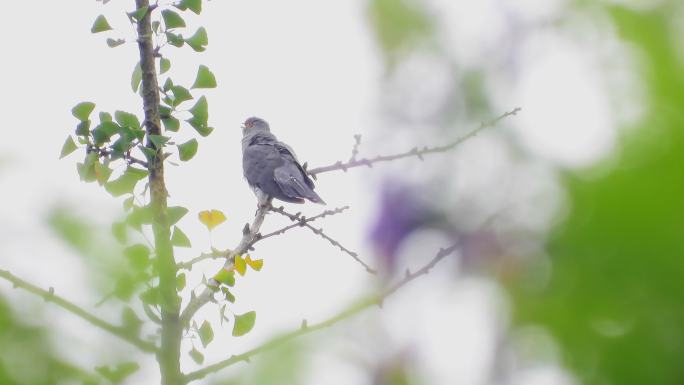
253	124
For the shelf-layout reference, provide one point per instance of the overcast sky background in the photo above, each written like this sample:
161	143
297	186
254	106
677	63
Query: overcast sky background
312	69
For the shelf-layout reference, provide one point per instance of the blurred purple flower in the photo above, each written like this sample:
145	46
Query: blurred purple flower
400	212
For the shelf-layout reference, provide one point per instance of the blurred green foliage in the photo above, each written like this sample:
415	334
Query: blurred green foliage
27	357
399	25
614	300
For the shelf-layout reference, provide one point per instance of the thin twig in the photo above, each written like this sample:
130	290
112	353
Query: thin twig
319	231
126	156
216	254
377	299
300	223
369	162
50	296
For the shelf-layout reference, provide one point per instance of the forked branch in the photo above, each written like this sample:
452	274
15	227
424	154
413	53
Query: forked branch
419	153
305	328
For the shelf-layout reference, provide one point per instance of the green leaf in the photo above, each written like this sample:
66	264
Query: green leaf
204	78
202	130
119	372
168	85
198	40
229	296
155	26
119	232
130	322
104	132
200	116
112	43
179	239
83	128
197	356
124	287
180	94
243	323
164	65
158	140
126	182
138	255
128	203
100	25
138	14
187	150
69	146
149	153
105	117
206	333
180	282
193	5
126	119
225	277
172	19
86	170
139	216
171	124
102	173
175	40
82	110
201	110
175	213
136	77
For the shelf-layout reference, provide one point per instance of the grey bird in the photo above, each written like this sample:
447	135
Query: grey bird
271	167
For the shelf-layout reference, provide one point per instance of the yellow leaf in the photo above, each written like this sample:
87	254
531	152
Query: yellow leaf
240	265
211	218
254	264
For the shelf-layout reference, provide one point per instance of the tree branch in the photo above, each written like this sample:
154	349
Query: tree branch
171	328
377	299
127	156
319	231
249	233
50	296
300	223
369	162
216	254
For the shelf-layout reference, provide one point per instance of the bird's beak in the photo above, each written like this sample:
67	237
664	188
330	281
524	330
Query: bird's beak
243	126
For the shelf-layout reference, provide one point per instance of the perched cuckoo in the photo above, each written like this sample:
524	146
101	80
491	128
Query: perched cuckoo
271	167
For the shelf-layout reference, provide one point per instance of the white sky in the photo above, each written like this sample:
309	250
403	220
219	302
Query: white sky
311	69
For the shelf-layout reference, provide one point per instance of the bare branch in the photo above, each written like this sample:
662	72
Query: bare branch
369	162
300	223
103	152
50	296
215	254
361	305
319	231
248	235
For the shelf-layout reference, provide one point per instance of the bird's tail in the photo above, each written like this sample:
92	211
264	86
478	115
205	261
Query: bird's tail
313	197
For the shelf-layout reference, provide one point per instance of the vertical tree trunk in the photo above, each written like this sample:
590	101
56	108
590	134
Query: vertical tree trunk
169	355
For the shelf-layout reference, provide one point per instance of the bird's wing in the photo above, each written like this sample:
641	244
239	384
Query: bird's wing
293	182
289	154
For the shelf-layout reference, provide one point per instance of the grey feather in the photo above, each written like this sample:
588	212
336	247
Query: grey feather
272	167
